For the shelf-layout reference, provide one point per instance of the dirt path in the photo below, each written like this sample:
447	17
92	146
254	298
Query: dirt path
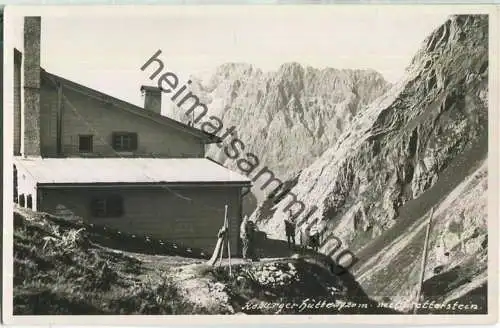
193	278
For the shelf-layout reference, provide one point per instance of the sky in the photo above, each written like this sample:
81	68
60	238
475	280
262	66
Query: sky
105	49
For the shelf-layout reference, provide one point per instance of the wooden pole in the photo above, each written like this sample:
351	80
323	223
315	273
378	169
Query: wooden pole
226	220
222	251
223	240
424	260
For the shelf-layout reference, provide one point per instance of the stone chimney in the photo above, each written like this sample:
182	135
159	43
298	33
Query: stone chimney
18	62
32	31
152	98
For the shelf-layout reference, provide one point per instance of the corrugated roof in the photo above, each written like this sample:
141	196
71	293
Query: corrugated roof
127	170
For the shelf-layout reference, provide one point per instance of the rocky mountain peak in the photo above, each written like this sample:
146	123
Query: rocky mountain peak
288	117
403	154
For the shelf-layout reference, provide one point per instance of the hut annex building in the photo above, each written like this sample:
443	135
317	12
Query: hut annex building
82	153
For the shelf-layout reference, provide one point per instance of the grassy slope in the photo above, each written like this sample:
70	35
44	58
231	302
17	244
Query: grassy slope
59	270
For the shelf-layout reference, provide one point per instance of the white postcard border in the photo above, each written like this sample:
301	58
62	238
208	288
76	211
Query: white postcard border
128	320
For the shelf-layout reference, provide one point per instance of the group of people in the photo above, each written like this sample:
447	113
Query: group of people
308	237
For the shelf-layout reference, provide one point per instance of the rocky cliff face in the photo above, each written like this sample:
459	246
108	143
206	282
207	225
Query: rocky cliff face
286	118
422	145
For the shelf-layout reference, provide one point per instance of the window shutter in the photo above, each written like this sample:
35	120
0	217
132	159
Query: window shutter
15	186
29	202
85	143
133	141
114	140
90	145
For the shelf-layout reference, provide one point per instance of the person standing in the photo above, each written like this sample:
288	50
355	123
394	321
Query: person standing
290	233
247	234
243	236
314	237
303	237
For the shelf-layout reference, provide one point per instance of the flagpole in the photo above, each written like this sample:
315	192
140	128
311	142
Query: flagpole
424	260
